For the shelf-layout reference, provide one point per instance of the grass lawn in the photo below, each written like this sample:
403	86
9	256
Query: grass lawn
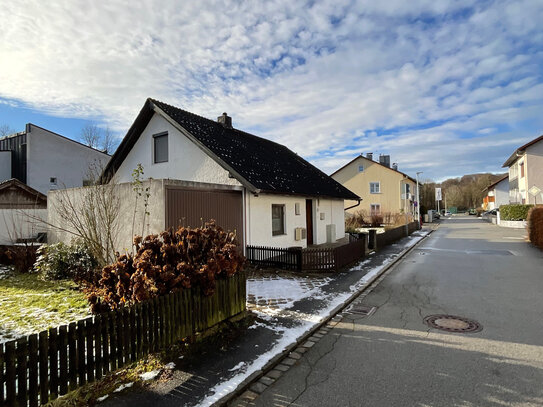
29	304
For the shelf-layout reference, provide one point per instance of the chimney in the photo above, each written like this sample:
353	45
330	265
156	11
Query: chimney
369	156
225	120
395	166
385	160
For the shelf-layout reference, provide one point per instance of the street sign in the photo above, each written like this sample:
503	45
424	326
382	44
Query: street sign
534	191
438	194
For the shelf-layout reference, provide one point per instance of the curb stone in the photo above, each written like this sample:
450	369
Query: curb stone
284	360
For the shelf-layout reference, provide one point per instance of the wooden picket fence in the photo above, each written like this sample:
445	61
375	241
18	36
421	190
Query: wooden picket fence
38	368
314	259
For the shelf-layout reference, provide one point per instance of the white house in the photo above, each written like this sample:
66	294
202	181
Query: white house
497	194
45	160
32	163
526	173
208	169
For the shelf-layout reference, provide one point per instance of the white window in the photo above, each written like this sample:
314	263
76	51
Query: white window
360	168
278	220
375	209
297	208
375	187
407	188
160	148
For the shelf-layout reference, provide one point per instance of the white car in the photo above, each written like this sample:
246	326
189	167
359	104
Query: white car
448	213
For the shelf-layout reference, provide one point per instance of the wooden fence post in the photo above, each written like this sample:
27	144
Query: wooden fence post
32	371
11	374
72	352
63	358
22	389
44	366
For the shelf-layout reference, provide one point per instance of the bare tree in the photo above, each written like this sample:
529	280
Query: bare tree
6	130
100	139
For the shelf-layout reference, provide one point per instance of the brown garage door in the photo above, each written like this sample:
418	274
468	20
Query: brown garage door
192	207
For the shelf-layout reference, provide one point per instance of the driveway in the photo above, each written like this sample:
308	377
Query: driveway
467	268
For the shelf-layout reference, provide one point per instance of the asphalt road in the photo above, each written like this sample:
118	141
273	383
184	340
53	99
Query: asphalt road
467	268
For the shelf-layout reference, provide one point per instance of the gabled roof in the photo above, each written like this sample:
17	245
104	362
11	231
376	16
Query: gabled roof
374	162
14	183
521	150
488	188
259	164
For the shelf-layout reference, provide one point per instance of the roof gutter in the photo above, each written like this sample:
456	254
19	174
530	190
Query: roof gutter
355	205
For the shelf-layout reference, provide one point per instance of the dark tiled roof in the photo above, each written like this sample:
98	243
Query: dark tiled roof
255	161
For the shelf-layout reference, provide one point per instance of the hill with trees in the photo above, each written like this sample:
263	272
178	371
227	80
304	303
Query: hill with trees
463	192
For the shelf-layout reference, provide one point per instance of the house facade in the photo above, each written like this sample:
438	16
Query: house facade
525	172
496	194
209	170
45	160
384	188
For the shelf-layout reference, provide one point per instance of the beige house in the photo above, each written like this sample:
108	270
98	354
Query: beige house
383	189
526	172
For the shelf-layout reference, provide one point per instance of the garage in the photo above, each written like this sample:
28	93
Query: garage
194	206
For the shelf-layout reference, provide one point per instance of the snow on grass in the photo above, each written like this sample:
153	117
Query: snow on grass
294	289
29	305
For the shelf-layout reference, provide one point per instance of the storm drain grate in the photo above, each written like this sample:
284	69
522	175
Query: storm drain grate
360	309
451	323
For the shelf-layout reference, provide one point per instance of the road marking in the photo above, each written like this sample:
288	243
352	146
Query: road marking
515	238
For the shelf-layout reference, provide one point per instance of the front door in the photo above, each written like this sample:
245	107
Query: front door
309	220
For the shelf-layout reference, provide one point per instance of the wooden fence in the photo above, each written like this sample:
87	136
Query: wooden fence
38	368
316	259
392	235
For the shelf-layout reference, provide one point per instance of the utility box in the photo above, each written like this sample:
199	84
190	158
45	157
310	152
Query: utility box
331	233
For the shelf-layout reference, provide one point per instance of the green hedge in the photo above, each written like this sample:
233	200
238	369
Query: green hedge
514	212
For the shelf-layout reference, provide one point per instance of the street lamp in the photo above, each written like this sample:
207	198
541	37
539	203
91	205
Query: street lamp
418	201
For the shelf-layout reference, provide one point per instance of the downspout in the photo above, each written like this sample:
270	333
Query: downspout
354	206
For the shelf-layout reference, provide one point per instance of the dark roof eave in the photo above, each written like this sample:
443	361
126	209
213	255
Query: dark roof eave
352	197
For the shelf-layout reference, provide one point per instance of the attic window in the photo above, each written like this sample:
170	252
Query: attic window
360	168
160	147
53	181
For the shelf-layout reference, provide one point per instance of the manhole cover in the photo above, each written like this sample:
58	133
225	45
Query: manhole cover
451	323
360	309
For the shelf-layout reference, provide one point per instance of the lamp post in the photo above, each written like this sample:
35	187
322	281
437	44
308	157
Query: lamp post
418	201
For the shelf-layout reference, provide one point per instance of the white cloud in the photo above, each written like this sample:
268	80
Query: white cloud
326	78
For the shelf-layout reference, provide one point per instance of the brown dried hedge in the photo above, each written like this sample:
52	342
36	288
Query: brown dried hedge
535	226
167	263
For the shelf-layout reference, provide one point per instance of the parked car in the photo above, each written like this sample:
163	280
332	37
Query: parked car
447	213
472	211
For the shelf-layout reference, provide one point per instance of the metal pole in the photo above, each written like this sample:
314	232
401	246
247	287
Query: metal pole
418	196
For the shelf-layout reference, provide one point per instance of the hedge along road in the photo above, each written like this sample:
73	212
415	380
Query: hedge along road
467	268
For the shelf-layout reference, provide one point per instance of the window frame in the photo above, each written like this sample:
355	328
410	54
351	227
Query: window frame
281	231
372	211
156	137
360	168
378	183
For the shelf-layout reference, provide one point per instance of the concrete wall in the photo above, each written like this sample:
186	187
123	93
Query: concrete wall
21	224
186	160
50	155
259	219
5	165
154	223
534	166
359	182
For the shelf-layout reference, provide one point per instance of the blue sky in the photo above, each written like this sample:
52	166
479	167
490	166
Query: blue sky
447	88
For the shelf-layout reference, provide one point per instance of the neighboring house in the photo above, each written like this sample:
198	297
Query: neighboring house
526	171
207	169
385	189
496	194
45	160
21	209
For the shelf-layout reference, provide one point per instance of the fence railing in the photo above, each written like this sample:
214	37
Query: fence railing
318	259
38	368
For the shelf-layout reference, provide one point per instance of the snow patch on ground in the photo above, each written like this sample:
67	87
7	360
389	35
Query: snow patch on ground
100	399
149	375
122	387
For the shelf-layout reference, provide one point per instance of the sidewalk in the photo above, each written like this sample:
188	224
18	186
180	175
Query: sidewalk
287	305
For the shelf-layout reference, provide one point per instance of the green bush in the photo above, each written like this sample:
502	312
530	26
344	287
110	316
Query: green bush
535	226
514	212
61	261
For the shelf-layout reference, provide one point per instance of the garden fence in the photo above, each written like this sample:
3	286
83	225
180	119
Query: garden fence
38	368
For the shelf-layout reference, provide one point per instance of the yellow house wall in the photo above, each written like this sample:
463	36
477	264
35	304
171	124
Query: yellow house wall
359	182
